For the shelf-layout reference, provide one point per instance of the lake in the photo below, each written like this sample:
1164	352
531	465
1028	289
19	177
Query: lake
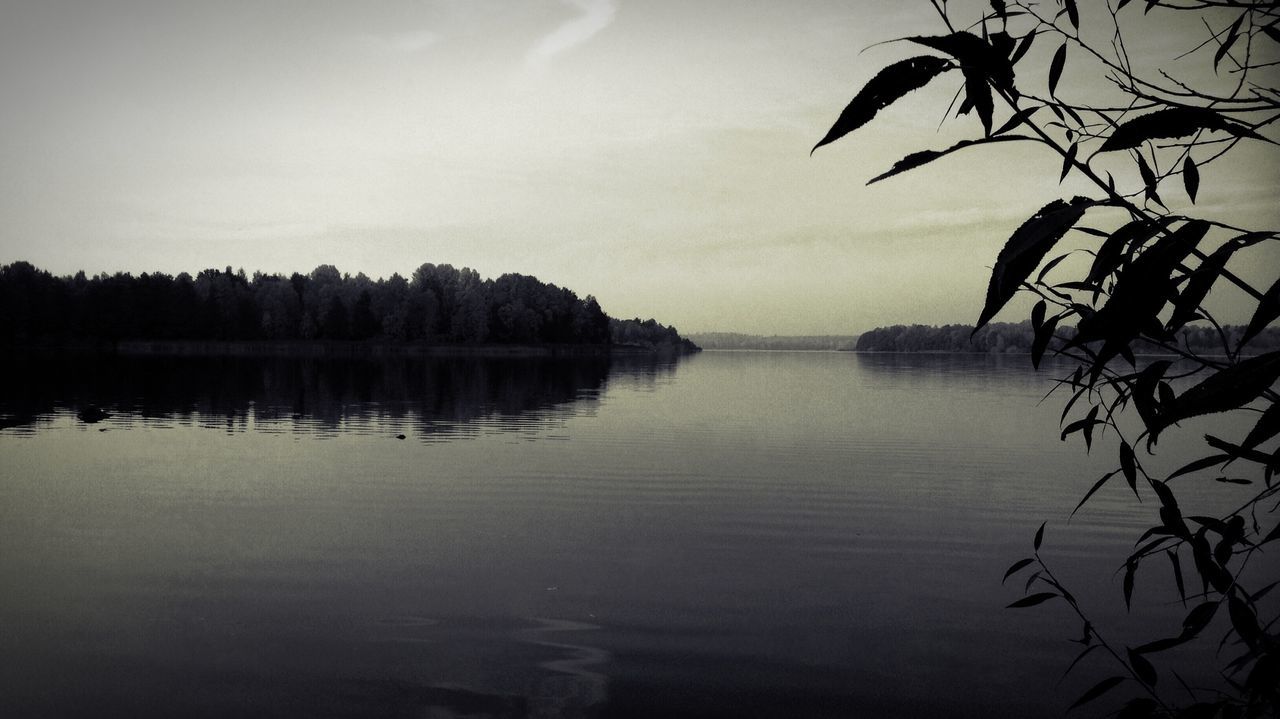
733	534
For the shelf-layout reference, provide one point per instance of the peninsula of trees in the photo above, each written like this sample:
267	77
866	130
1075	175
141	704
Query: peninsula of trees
436	305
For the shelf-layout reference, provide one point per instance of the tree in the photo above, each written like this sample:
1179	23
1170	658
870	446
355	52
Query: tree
1143	273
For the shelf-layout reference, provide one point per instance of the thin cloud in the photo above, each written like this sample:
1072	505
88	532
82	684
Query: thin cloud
400	43
595	16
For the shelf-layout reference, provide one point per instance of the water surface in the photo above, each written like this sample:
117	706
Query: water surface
737	534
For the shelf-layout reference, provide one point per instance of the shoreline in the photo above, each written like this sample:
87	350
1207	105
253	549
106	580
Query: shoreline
335	349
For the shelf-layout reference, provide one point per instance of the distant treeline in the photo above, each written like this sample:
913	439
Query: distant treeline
1007	337
437	304
738	341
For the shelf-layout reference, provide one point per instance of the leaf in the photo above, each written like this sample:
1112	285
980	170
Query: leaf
924	157
1017	567
1080	656
1225	47
1142	668
1243	620
1199	464
1171	123
1140	292
1040	341
1138	708
1016	119
1268	310
1026	248
1055	68
1128	465
889	85
1177	575
1149	179
1073	14
1130	235
1187	304
1130	569
1160	645
1084	426
1023	46
1035	544
1067	161
1032	600
974	54
1197	619
1267	426
1190	178
1225	390
978	94
1096	691
1092	490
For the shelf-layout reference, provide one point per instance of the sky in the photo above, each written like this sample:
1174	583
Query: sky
653	154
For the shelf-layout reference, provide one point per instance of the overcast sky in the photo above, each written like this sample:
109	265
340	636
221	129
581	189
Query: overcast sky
651	153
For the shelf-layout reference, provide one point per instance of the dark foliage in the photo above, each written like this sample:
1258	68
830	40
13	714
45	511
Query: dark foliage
1144	295
438	304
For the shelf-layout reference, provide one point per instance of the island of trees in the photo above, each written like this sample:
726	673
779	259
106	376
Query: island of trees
435	305
1017	338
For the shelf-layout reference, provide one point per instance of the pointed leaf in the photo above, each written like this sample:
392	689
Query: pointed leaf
1187	304
924	157
1142	668
1017	566
1032	600
978	95
1073	14
974	54
1097	690
1267	426
1226	389
1130	569
1199	464
1035	544
1026	248
1129	236
1080	656
1149	178
1267	312
1040	341
1225	47
1177	575
1171	123
1243	620
1023	46
1197	619
1055	68
1190	178
1068	160
1128	465
887	86
1092	490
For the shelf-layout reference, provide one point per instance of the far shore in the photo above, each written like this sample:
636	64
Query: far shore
325	348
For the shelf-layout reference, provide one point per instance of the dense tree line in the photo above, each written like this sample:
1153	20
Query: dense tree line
1016	338
739	341
649	334
435	304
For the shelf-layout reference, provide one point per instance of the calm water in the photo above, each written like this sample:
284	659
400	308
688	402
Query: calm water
733	535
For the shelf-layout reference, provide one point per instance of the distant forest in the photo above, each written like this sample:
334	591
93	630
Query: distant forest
738	341
1006	337
437	304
